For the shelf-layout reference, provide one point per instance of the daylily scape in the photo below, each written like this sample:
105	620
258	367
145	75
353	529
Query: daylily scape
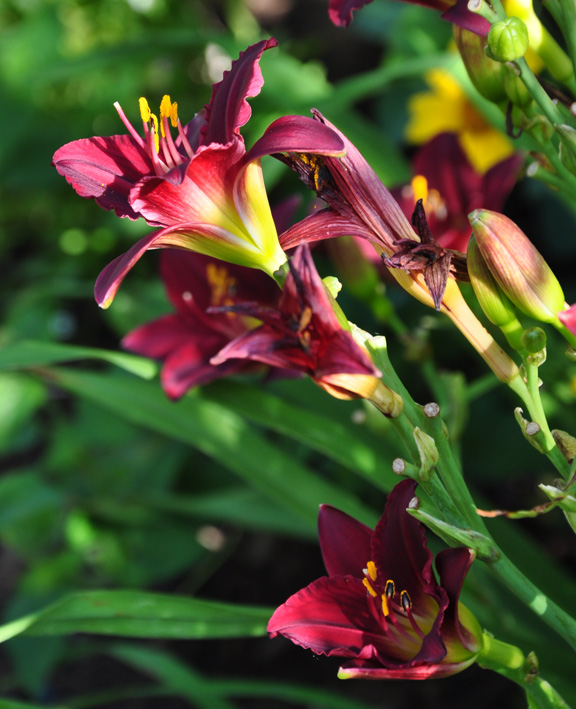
380	606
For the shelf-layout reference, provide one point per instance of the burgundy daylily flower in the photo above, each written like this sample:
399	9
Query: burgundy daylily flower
380	605
203	189
455	11
303	333
187	339
451	188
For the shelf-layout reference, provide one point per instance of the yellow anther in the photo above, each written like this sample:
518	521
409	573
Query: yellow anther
420	188
165	106
174	115
144	109
371	569
221	283
154	120
371	591
305	318
385	605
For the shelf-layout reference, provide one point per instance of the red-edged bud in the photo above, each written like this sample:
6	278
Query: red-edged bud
517	266
486	74
507	40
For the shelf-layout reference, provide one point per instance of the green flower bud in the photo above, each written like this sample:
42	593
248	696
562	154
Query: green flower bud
507	40
517	266
486	74
428	452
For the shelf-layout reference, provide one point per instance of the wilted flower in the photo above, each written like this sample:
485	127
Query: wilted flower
303	333
204	190
186	339
380	605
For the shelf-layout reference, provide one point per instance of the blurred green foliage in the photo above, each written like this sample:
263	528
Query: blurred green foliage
106	484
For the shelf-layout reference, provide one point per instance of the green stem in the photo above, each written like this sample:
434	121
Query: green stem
547	106
557	619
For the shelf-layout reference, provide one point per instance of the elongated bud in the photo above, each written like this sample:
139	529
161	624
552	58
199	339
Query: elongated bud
507	40
567	146
516	90
496	305
428	454
517	266
486	74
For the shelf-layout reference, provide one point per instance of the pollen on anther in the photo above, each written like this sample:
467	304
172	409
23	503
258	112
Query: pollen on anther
174	115
371	570
371	591
405	601
390	589
385	605
144	109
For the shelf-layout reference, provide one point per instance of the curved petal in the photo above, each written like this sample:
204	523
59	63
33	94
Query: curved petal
568	318
356	670
460	15
340	11
204	238
344	541
330	617
325	224
400	552
452	566
228	108
499	182
158	338
105	169
297	134
189	366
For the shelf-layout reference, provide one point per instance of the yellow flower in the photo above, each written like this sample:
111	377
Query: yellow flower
446	108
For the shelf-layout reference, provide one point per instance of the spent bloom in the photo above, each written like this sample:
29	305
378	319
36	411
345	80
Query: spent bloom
203	189
186	339
381	606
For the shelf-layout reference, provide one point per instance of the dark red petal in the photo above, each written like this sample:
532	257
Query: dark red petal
340	11
399	548
228	108
209	181
105	169
157	338
264	344
460	15
329	617
297	134
189	366
452	566
359	670
499	182
344	541
325	224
